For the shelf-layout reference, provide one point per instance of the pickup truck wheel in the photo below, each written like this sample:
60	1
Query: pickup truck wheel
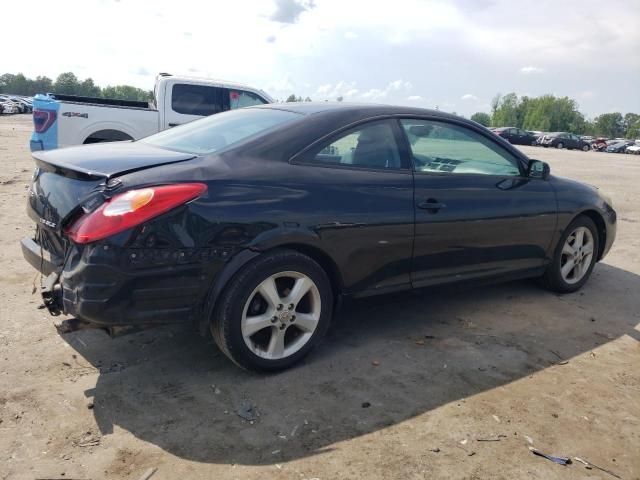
586	148
273	311
560	145
107	136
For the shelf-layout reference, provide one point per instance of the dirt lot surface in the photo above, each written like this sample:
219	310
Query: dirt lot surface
404	387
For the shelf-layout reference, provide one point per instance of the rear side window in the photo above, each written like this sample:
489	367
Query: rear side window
241	98
196	99
369	146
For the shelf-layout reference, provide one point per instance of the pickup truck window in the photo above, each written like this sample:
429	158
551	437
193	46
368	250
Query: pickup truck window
220	131
196	99
240	98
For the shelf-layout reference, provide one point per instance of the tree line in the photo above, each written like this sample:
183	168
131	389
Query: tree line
69	84
556	114
546	113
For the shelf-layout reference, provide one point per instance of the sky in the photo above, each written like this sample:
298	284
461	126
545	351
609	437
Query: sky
454	55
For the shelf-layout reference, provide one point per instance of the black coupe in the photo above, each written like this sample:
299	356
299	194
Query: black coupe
253	223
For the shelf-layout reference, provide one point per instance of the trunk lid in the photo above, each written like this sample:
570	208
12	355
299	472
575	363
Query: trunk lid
108	159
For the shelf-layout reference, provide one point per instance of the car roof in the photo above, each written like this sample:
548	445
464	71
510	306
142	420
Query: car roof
355	109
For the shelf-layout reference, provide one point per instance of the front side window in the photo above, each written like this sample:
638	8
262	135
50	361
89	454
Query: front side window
370	146
196	99
240	99
216	132
447	148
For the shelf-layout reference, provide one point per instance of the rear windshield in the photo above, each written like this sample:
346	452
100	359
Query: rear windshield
221	130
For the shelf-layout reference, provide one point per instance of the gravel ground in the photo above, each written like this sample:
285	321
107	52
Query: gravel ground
404	387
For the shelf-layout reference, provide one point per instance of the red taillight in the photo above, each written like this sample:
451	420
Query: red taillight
43	119
130	209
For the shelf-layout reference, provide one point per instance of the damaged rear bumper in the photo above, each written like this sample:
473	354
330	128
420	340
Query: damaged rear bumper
115	288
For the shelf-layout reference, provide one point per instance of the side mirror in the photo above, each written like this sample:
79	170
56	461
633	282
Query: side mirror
538	169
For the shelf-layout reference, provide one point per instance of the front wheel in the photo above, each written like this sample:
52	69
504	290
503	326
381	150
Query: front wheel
273	311
559	145
586	148
574	258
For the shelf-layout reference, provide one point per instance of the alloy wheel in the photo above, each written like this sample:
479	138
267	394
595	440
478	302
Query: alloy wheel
577	255
281	315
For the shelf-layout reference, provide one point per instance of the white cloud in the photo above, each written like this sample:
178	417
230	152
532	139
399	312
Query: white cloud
414	98
288	11
468	96
399	85
531	69
323	89
297	46
375	94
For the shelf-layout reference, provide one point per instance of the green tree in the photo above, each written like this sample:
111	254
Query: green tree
41	85
291	98
482	118
610	124
67	84
506	114
495	103
127	92
631	125
89	89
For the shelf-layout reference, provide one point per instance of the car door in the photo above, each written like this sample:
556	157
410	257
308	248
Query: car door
477	214
575	141
185	102
357	197
519	137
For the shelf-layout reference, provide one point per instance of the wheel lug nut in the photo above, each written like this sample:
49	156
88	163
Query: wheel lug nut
279	307
293	317
274	319
291	305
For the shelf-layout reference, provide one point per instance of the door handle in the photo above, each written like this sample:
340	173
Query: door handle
174	124
432	205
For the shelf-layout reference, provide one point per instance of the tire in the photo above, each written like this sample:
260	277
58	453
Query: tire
553	278
586	148
273	319
559	145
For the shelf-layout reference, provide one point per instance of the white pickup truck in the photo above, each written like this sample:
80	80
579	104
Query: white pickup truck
64	120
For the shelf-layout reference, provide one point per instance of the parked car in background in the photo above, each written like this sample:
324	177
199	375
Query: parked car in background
514	135
619	147
537	134
18	107
599	144
570	141
21	105
634	149
253	223
65	120
28	106
8	106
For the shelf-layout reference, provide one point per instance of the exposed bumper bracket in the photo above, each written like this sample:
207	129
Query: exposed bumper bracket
52	294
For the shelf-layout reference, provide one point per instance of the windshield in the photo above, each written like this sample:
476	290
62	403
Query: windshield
221	130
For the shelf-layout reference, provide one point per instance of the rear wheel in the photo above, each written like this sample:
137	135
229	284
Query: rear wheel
586	148
574	258
273	312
